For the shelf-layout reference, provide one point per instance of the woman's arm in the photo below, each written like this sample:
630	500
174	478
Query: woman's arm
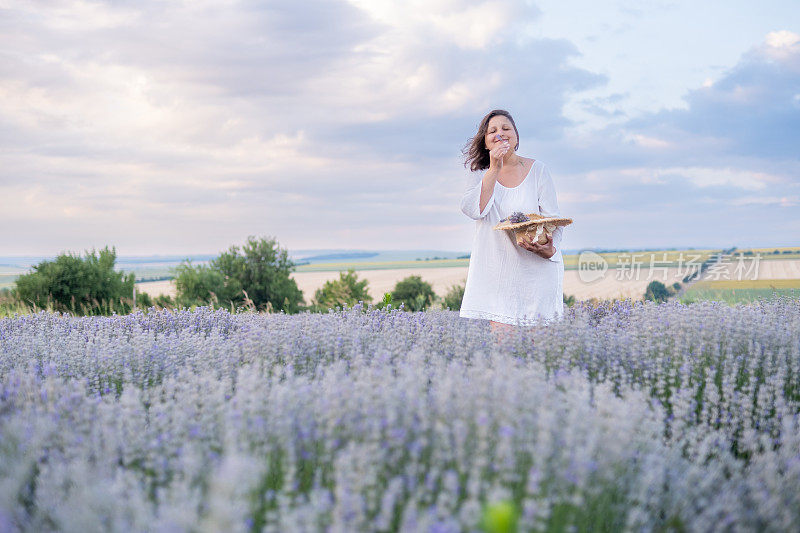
487	187
480	195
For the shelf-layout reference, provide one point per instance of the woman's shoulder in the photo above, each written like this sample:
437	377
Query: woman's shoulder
535	167
538	168
534	163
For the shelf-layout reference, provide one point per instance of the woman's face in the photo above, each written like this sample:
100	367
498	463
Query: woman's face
500	125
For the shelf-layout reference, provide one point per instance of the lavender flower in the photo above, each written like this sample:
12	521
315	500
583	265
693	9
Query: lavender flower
366	419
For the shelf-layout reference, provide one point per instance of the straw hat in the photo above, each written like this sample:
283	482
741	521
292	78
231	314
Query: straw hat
537	228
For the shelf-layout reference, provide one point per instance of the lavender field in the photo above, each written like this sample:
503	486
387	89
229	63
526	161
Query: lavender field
630	416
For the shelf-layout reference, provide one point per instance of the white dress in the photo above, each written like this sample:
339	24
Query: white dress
505	282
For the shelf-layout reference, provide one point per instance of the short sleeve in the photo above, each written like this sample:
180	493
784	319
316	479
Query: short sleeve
470	202
548	207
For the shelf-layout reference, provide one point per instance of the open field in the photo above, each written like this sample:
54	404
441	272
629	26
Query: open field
772	283
7	280
731	291
767	268
616	418
383	265
660	258
656	258
382	281
790	252
615	283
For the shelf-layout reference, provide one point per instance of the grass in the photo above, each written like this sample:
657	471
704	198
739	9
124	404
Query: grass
745	291
785	252
11	308
793	249
748	284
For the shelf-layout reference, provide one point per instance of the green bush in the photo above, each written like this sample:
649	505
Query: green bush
257	276
414	293
145	301
657	292
569	301
205	285
164	301
345	291
385	302
9	305
86	285
454	297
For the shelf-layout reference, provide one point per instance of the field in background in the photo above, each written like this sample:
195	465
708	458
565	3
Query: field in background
661	257
733	291
790	252
618	282
383	265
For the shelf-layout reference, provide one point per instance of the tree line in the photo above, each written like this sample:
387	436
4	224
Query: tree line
255	276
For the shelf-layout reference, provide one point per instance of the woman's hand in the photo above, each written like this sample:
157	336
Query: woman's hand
497	153
546	250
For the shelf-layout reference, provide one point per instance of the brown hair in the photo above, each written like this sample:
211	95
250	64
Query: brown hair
476	156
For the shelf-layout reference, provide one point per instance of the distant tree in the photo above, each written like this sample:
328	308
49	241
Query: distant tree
415	293
86	285
345	291
257	274
263	269
205	285
165	301
145	301
454	297
657	292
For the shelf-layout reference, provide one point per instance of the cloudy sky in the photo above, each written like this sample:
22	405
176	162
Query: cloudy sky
169	127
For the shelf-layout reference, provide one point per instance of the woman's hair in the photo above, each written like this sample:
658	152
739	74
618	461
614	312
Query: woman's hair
476	156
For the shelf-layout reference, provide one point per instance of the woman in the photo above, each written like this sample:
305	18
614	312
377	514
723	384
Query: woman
509	284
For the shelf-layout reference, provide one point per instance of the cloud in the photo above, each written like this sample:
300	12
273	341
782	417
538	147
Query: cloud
750	110
699	177
780	201
226	117
738	134
188	126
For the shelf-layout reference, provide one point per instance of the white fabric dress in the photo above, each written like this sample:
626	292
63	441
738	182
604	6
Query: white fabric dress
505	282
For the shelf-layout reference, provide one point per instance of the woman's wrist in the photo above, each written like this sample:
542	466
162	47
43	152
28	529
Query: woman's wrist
544	255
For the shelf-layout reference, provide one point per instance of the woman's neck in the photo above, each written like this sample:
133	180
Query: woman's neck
512	159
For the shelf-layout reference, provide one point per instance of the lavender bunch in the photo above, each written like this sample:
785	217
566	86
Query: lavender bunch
517	216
